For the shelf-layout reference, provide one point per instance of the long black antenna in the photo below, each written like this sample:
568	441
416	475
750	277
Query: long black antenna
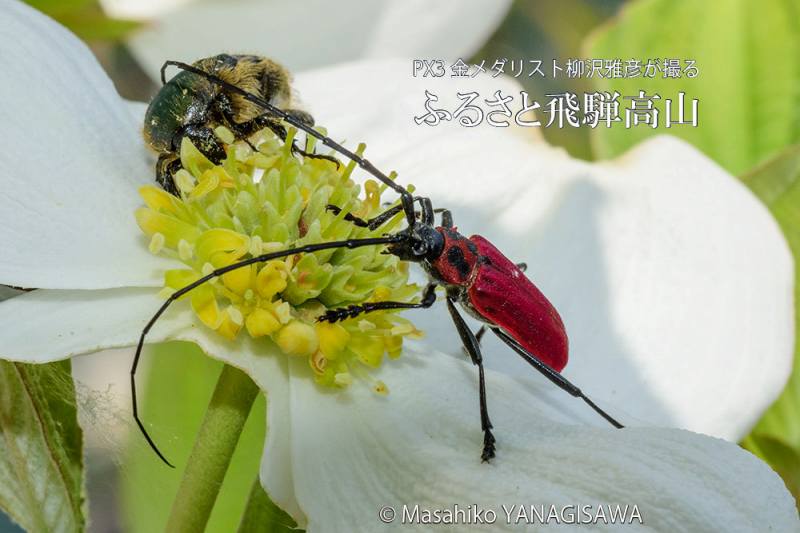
405	196
350	243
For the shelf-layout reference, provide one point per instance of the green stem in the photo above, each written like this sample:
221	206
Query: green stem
226	415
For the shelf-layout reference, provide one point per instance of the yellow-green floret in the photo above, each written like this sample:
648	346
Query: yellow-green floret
268	200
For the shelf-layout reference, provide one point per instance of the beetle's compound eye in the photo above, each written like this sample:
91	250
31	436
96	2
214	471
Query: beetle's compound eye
419	247
427	243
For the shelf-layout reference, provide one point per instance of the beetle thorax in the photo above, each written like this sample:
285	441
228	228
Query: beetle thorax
458	261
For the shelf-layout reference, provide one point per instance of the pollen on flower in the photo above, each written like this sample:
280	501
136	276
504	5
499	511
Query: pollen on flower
343	379
224	134
297	338
235	315
184	250
267	200
380	388
156	243
184	181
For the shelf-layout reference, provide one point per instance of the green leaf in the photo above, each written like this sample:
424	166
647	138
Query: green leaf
748	55
777	183
86	19
776	438
93	25
60	7
782	457
179	387
41	448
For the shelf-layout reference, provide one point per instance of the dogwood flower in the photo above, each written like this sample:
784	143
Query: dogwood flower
309	34
659	254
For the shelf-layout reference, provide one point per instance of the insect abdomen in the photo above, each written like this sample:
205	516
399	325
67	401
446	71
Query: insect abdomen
183	100
503	295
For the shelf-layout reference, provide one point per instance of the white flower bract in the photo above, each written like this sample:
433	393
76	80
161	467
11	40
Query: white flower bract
311	33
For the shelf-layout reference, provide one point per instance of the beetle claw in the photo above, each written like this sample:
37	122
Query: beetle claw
337	315
488	446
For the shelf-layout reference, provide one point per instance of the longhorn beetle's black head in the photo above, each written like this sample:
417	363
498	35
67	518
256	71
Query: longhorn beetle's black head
421	243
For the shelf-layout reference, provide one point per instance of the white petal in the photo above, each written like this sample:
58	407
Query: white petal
421	445
446	29
304	35
674	282
48	325
70	164
376	101
136	111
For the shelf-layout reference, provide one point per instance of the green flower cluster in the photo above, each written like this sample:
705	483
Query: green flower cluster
266	200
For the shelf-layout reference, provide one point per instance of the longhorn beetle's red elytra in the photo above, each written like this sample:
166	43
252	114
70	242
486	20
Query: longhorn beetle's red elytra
474	273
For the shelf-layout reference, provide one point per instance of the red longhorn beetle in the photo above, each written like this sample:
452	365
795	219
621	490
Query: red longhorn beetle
474	273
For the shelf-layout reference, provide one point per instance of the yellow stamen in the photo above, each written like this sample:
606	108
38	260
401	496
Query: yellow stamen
264	201
380	388
332	339
156	243
297	338
261	322
184	181
184	250
343	379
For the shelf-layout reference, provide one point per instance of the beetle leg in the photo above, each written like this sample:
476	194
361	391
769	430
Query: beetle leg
352	311
224	108
305	118
301	116
267	120
205	141
447	217
243	130
478	338
427	211
474	351
166	167
552	375
280	131
372	223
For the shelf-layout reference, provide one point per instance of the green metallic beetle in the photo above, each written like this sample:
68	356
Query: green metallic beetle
191	106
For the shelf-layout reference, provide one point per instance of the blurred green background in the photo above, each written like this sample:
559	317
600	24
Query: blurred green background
748	55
